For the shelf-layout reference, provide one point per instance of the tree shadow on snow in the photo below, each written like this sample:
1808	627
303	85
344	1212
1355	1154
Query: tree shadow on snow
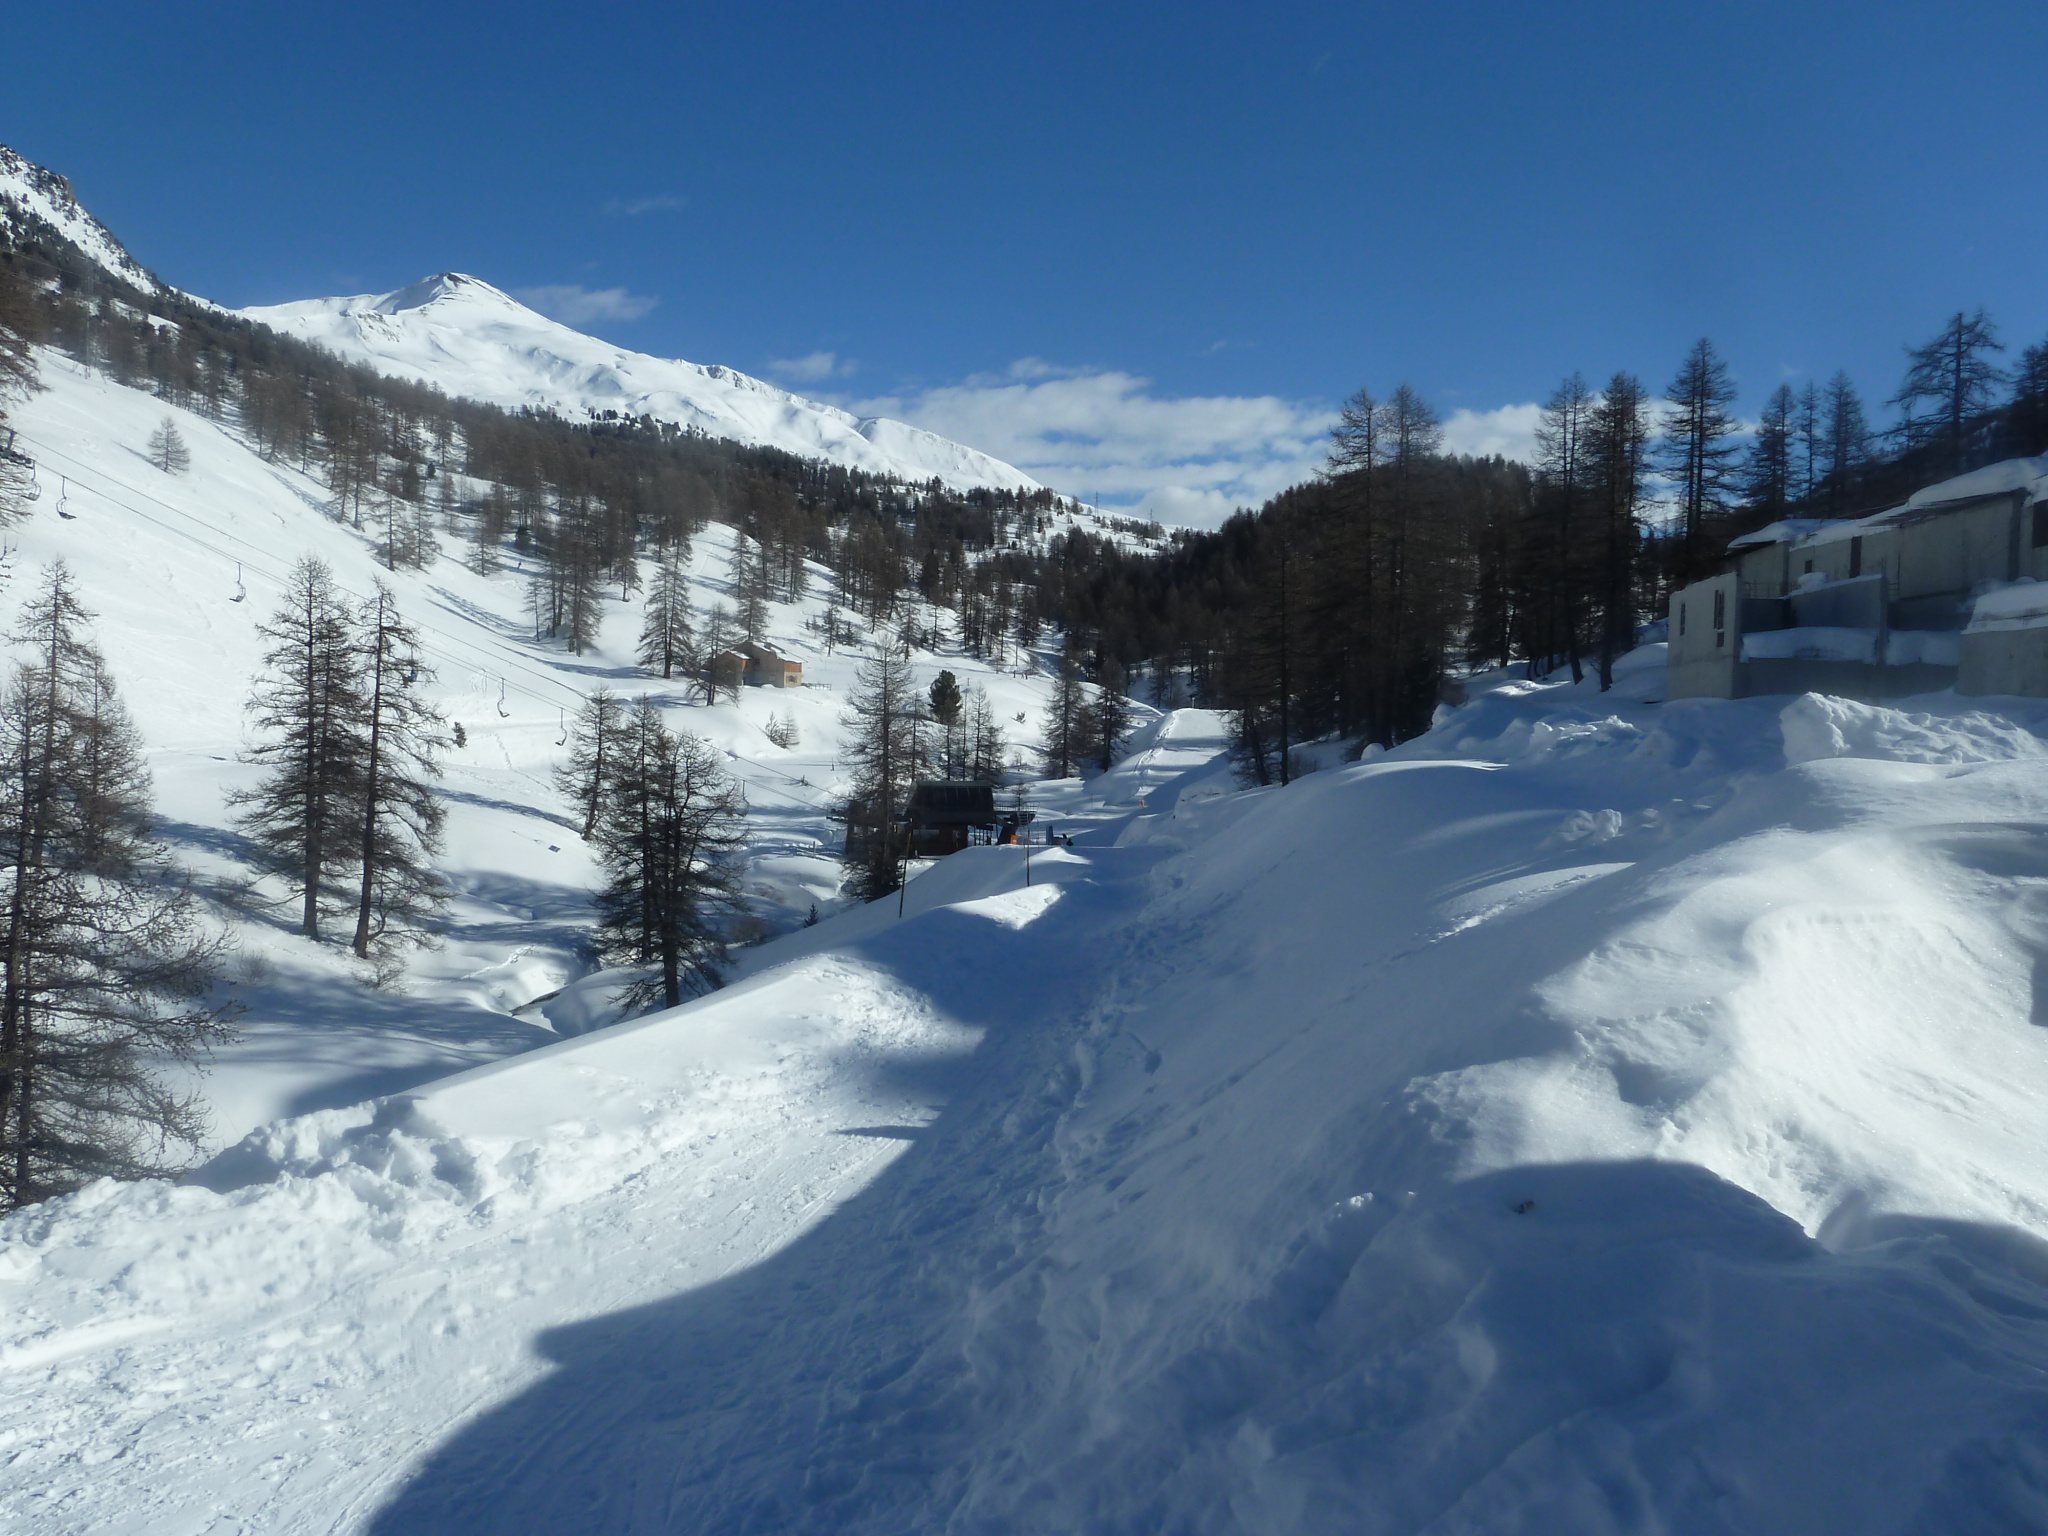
1583	1346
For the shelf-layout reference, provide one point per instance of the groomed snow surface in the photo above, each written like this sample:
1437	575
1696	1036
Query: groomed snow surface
1595	1116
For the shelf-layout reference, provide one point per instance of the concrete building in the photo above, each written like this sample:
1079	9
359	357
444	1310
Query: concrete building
1932	594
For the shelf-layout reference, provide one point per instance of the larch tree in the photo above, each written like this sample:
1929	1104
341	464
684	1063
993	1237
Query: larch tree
401	817
670	837
2027	416
665	628
883	748
1066	717
593	755
1767	476
1618	445
304	813
1845	442
105	966
1560	497
1949	384
1112	713
167	450
1699	446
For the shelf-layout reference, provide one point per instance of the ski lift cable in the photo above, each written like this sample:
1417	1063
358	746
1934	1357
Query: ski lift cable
451	649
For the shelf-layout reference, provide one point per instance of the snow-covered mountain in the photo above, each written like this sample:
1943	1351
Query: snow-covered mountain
469	339
35	202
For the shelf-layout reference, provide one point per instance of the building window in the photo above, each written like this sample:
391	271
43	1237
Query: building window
1681	619
1809	567
2040	524
1856	556
1720	618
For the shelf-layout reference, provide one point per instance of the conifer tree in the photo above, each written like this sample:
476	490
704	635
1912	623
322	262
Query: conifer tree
1807	459
167	450
945	701
720	636
985	744
883	749
1066	718
665	630
669	840
1768	474
305	812
593	755
1698	446
1845	442
1618	446
2028	414
748	578
104	966
401	818
1561	494
1953	377
1112	722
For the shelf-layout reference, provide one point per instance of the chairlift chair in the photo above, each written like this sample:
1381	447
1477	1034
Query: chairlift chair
63	498
240	590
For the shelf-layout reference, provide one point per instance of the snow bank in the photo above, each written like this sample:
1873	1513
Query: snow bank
2022	605
1593	1116
1810	642
1817	726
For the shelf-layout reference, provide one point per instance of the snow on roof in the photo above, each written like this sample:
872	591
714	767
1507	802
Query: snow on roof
1991	480
1785	531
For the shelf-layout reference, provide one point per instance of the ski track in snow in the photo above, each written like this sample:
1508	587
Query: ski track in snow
1596	1115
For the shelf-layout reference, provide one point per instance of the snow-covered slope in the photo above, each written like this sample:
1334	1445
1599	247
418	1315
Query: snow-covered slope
467	338
1596	1116
34	201
182	568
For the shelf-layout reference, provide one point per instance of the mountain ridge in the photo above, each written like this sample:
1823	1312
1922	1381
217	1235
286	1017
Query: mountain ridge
470	338
473	340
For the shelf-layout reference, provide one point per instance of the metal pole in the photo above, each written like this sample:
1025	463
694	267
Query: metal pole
903	884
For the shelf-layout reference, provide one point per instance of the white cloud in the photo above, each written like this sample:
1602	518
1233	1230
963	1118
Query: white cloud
573	304
813	368
1507	430
633	207
1104	434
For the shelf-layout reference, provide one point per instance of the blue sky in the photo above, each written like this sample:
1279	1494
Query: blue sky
1141	250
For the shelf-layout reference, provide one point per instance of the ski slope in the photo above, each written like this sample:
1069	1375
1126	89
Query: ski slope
471	340
1594	1116
162	559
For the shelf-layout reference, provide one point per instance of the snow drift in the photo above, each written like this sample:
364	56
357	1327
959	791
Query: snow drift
1593	1116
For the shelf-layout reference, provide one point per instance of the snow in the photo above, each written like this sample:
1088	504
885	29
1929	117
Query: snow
1810	642
159	558
29	193
471	340
1991	480
2020	605
1595	1115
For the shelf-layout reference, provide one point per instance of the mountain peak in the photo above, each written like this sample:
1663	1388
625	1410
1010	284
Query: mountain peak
443	287
36	202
